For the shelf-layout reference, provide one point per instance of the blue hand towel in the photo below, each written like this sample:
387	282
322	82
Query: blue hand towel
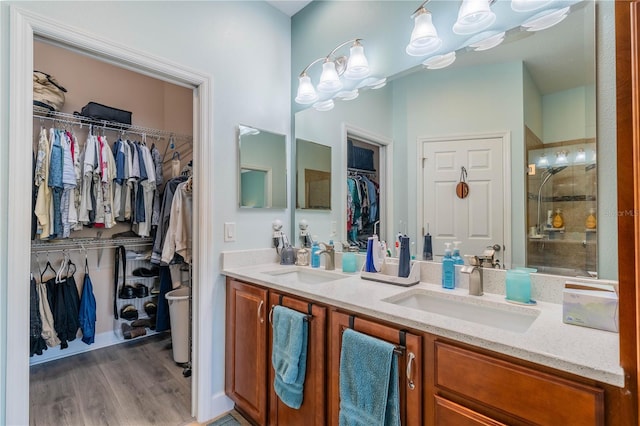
289	355
369	394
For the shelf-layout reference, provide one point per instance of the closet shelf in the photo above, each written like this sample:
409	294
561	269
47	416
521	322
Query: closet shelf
87	244
79	120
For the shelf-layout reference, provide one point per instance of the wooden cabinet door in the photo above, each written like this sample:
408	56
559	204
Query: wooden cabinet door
409	365
313	408
448	413
246	349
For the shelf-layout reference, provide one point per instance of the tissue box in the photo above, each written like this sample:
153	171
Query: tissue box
590	305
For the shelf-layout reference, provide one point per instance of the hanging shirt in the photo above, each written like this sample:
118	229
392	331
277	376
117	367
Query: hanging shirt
43	199
178	239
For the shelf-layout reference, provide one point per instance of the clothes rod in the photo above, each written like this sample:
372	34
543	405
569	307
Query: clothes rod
88	244
78	120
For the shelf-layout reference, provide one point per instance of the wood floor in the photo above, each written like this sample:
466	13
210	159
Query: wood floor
135	383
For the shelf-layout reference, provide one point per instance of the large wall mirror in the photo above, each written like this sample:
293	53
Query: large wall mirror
262	170
537	88
313	175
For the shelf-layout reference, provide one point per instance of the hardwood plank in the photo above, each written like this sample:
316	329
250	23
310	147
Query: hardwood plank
134	383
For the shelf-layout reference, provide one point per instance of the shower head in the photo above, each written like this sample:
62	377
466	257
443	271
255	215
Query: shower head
554	170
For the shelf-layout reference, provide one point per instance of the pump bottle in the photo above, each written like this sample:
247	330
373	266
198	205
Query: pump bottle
448	269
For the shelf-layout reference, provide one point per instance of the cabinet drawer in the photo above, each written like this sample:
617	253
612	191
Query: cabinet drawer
518	391
449	413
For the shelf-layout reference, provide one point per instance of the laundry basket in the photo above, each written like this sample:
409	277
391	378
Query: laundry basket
178	300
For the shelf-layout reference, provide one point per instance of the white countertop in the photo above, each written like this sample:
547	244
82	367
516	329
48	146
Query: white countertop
548	341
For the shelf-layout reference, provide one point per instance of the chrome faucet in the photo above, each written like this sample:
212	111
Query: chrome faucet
330	265
474	269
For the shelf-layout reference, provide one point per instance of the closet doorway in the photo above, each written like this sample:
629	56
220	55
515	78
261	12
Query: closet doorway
26	27
368	177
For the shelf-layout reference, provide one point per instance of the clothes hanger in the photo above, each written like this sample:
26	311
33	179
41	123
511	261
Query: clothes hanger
47	266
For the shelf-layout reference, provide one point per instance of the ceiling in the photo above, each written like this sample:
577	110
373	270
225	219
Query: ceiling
289	7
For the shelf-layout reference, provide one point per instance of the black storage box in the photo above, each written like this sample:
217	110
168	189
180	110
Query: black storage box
359	158
99	112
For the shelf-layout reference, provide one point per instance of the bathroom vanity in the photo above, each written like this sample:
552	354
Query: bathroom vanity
529	369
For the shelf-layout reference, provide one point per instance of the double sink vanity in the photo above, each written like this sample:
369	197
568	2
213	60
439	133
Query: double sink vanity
469	359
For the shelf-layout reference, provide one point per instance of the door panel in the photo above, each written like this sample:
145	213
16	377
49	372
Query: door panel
478	220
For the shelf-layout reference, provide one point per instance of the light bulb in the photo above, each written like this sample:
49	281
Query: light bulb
357	65
474	16
329	80
424	37
306	93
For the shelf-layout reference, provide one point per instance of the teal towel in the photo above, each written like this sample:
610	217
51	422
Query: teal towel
289	354
369	394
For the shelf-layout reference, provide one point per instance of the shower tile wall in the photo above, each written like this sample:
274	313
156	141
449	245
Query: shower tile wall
572	190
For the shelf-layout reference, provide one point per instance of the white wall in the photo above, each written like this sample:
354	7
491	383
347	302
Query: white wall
245	46
565	115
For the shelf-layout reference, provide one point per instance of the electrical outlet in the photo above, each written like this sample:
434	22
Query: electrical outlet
229	232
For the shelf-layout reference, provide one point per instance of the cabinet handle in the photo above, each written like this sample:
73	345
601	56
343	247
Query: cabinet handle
271	314
260	311
410	382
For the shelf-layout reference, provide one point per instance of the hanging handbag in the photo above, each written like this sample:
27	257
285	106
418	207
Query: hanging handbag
48	94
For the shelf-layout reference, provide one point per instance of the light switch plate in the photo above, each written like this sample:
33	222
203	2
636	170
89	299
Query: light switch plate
229	232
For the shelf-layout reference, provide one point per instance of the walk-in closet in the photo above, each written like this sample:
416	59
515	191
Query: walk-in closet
363	191
111	280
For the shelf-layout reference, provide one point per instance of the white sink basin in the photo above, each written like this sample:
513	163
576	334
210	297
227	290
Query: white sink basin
468	308
304	275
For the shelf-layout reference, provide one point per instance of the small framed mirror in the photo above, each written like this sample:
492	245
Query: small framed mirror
313	175
262	170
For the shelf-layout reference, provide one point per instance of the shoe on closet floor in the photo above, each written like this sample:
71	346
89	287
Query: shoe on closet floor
149	323
129	332
141	290
129	312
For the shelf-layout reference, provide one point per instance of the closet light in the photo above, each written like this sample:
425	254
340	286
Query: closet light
474	16
424	37
546	19
440	61
486	40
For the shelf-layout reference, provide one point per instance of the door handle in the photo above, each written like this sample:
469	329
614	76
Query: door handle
410	382
260	312
496	247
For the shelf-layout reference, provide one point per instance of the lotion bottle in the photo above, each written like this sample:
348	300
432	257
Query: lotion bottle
591	219
448	269
457	260
315	257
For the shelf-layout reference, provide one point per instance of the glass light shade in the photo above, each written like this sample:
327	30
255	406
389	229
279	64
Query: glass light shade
424	37
329	80
306	93
440	61
372	83
561	159
474	16
347	95
357	65
581	157
486	40
528	5
546	19
543	162
324	105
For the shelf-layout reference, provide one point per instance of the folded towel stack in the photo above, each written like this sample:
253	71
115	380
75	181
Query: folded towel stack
289	355
369	393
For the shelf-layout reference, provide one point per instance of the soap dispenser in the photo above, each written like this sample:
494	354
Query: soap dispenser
315	257
448	269
457	260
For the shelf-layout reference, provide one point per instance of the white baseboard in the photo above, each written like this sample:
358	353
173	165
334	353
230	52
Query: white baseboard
77	346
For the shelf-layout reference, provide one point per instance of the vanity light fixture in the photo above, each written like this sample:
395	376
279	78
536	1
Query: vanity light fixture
545	19
543	162
341	77
581	156
424	37
561	159
485	40
474	16
440	61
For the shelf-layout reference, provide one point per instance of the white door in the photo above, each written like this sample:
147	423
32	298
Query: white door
477	221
